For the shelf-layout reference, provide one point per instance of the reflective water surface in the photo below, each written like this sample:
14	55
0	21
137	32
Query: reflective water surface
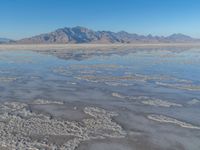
126	100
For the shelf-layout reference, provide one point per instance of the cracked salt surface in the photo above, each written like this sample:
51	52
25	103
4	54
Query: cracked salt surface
19	128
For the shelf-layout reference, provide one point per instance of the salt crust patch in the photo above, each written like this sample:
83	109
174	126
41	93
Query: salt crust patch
18	126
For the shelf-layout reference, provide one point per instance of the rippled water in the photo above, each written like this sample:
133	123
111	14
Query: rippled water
163	83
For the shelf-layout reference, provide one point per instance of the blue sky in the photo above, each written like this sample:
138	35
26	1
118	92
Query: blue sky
23	18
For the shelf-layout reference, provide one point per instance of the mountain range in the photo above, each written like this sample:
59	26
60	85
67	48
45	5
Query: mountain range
76	35
5	40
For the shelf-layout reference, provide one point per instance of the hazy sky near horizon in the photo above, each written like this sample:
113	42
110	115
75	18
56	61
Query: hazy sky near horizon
24	18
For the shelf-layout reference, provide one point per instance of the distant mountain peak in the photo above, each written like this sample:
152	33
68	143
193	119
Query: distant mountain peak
81	34
180	35
80	28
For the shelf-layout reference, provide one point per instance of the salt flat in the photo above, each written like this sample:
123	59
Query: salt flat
88	97
91	46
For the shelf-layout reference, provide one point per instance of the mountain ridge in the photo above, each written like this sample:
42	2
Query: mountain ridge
79	35
5	40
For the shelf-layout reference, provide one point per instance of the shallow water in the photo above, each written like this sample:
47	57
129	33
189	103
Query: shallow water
136	84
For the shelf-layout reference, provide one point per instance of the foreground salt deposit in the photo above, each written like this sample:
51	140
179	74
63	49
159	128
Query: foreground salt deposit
21	128
7	79
148	100
161	103
189	87
194	101
44	102
165	119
